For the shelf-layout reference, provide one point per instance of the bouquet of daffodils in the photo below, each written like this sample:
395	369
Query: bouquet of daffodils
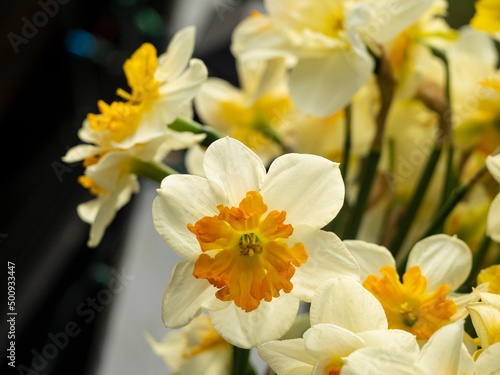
340	209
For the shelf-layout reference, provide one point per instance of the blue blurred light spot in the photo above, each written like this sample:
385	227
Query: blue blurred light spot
81	43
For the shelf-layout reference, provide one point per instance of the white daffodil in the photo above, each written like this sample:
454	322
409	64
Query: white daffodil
136	129
425	300
326	43
486	320
253	113
196	349
493	223
251	240
349	335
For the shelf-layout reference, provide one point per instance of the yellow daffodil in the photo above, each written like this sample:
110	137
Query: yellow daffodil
136	128
425	300
196	349
349	335
325	43
251	240
487	17
493	223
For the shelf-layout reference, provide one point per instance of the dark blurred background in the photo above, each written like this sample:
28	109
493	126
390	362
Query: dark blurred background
57	59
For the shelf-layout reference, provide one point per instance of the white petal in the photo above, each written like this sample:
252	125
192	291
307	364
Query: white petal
327	258
370	257
466	365
461	301
176	58
234	167
443	260
375	361
393	339
493	165
176	94
389	18
487	363
486	320
491	298
184	296
288	357
493	221
441	354
80	152
308	187
328	340
321	86
212	362
269	321
170	349
344	302
183	200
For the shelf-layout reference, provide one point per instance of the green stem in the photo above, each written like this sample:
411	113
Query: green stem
151	170
386	84
347	141
240	361
368	175
183	124
457	195
415	202
477	262
449	178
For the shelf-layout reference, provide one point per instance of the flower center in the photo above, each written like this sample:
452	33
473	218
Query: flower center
406	304
491	275
88	183
334	367
244	254
122	118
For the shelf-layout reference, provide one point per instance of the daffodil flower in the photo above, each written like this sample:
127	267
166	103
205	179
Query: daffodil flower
326	43
136	129
349	335
252	114
251	240
425	300
487	17
196	349
493	222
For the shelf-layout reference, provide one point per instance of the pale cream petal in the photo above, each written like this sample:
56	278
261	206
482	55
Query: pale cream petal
235	168
328	340
493	165
287	357
376	361
493	221
488	362
441	354
170	349
184	296
491	298
216	361
321	86
80	152
486	320
308	187
269	321
443	259
194	160
370	257
466	365
461	301
179	51
392	339
183	200
176	94
389	18
344	302
327	258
